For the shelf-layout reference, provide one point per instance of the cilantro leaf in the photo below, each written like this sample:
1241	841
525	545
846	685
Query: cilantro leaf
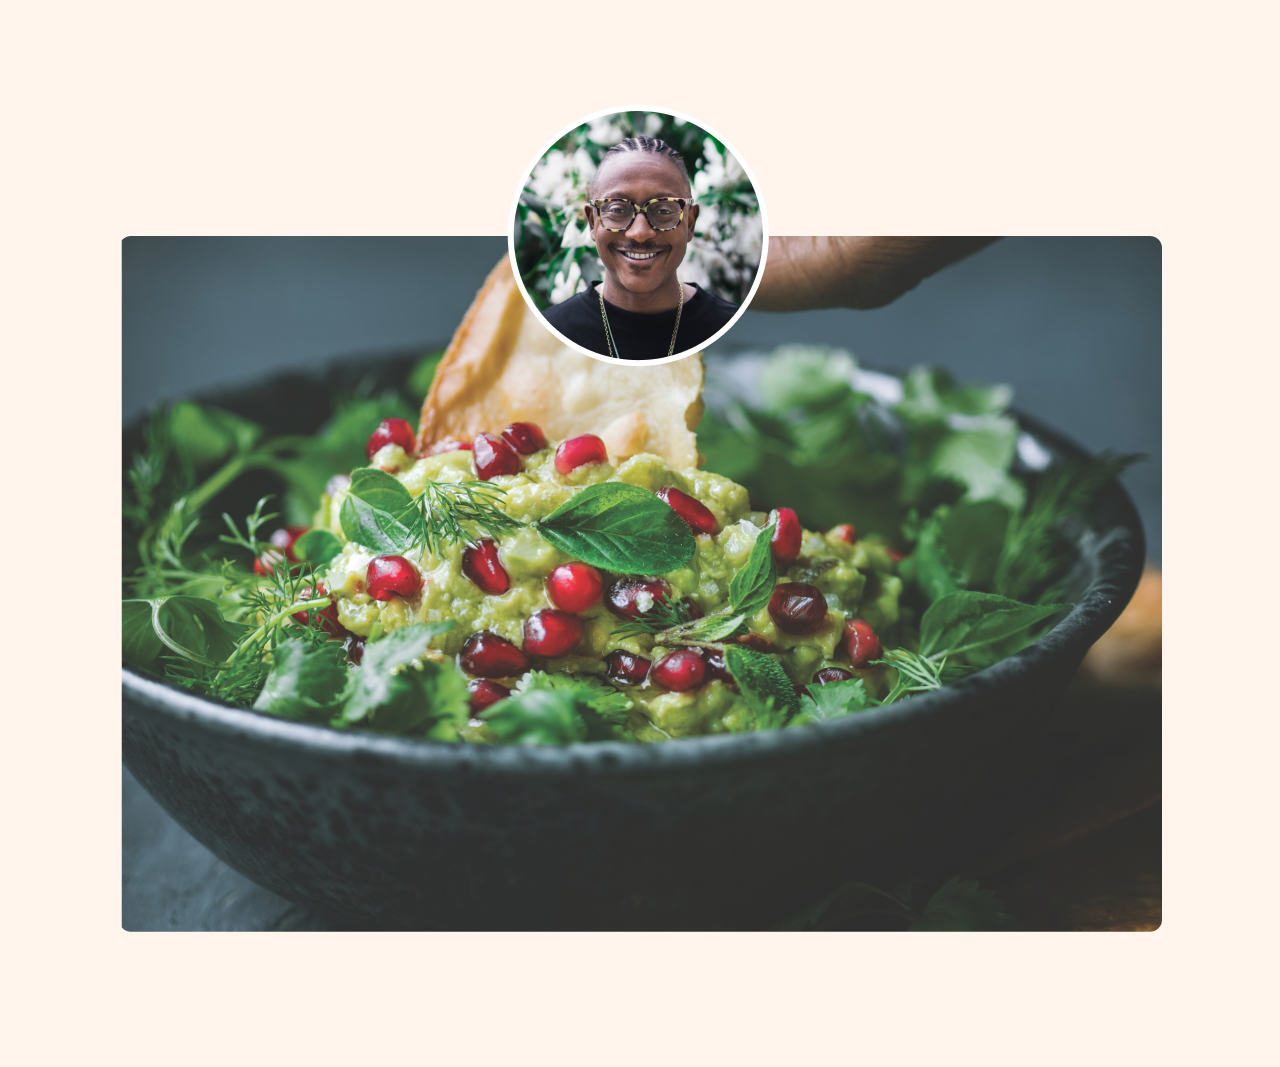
395	690
929	564
306	682
539	717
621	528
822	703
765	686
751	588
609	703
963	906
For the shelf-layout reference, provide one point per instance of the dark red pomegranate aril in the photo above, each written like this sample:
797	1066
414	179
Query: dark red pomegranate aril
551	632
626	668
575	587
861	642
832	674
325	618
489	656
679	671
621	597
449	444
480	563
691	610
282	542
390	432
391	576
797	608
355	649
845	532
579	451
492	456
785	543
525	437
714	659
482	693
695	513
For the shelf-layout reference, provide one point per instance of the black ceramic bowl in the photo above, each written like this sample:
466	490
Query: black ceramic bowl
712	833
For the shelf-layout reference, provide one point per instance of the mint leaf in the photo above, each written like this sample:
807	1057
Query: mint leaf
379	512
539	717
963	906
306	682
964	622
717	627
317	547
622	528
141	645
822	703
751	588
765	686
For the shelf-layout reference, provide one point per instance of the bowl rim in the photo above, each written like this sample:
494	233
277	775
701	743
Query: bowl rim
1069	639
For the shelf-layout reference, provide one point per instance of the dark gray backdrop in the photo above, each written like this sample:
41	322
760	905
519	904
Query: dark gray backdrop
1073	324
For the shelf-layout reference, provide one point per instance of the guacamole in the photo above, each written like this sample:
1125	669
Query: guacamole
855	578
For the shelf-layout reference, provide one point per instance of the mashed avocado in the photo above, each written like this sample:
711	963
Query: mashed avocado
856	579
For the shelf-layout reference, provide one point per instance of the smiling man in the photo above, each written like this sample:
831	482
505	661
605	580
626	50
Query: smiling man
641	217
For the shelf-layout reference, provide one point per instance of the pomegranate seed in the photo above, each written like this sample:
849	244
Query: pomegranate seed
551	632
480	563
832	674
490	656
785	543
679	671
861	642
449	444
896	556
622	595
390	432
695	514
325	618
575	587
691	610
482	693
266	562
626	668
493	456
388	576
282	542
714	659
798	608
579	451
845	532
355	649
525	437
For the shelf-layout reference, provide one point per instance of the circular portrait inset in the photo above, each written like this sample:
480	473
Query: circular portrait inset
638	235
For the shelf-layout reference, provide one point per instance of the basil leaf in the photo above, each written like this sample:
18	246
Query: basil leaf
374	686
141	645
765	685
964	621
305	682
718	627
380	491
752	586
195	629
834	700
317	547
622	528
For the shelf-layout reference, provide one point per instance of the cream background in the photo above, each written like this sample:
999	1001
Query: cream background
137	118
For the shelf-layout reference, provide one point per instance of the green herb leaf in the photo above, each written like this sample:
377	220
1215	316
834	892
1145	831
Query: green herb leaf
622	528
141	645
203	435
195	629
822	703
395	700
609	703
973	533
964	622
929	565
751	588
765	686
306	682
539	717
718	627
378	512
317	547
963	906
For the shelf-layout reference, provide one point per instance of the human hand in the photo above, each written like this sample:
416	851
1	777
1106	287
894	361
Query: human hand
802	273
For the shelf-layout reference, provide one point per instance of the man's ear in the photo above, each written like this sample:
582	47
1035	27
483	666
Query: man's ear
591	220
692	215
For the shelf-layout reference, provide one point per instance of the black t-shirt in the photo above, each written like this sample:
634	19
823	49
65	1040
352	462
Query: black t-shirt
638	335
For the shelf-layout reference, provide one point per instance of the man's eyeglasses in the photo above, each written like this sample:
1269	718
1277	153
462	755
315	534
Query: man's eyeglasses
663	213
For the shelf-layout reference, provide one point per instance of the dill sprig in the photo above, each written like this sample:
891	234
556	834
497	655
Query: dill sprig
453	512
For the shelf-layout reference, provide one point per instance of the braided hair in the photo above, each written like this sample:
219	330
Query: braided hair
645	144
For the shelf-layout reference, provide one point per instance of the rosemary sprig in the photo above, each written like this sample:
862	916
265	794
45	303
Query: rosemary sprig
453	512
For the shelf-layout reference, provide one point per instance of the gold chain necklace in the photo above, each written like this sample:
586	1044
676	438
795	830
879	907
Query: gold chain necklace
608	333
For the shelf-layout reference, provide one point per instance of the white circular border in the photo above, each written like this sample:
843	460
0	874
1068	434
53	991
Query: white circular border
764	240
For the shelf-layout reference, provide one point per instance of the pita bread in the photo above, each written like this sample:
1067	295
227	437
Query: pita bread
505	366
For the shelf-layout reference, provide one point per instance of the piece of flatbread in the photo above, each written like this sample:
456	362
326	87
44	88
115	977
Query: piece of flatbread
505	366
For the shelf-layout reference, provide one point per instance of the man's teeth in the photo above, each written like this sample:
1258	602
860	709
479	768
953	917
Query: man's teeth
639	255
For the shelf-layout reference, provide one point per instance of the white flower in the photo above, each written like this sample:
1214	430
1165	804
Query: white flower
564	287
603	131
652	124
575	236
